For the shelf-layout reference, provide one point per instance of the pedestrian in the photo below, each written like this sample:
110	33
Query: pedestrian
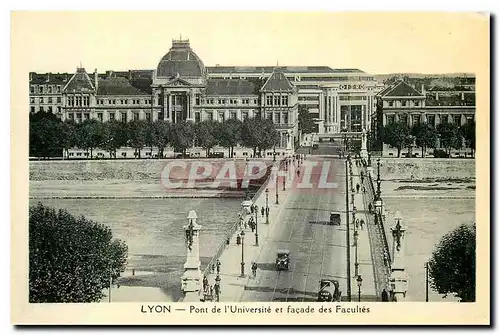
218	266
357	223
262	211
298	173
228	241
385	295
385	259
364	189
357	188
361	223
370	207
254	269
238	239
213	267
217	291
205	284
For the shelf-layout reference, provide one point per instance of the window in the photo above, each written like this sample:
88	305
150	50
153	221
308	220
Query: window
50	89
431	119
276	100
79	116
71	116
269	100
197	100
245	101
86	116
41	109
244	115
416	119
277	118
403	119
148	117
124	117
40	89
86	101
233	115
111	116
222	116
470	119
457	119
416	103
284	100
390	119
32	100
32	89
254	101
210	116
285	118
136	116
270	116
403	103
99	116
391	103
42	100
59	109
71	101
58	100
50	109
50	100
221	101
58	88
32	109
197	117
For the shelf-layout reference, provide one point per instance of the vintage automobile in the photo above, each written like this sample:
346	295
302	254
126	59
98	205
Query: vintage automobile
329	290
282	260
335	219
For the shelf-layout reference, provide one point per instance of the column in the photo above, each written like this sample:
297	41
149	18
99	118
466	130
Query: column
399	277
191	279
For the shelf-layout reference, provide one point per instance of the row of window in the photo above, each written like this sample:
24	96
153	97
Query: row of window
78	101
431	119
49	100
404	103
351	98
122	101
50	89
277	100
228	101
123	116
50	109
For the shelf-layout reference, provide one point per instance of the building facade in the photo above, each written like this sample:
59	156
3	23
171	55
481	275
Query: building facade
182	88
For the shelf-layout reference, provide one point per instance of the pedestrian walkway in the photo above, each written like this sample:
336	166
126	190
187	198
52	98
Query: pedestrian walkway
232	281
364	255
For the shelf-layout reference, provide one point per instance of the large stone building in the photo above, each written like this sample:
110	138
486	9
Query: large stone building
402	102
182	88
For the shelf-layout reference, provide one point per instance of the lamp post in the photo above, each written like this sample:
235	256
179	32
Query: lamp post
256	226
267	206
277	203
426	281
359	280
378	178
348	254
242	234
356	264
354	217
274	154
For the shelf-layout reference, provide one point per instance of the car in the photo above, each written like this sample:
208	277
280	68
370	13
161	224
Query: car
335	219
282	260
329	290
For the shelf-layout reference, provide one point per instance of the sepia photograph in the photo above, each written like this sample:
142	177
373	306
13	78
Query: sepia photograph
224	158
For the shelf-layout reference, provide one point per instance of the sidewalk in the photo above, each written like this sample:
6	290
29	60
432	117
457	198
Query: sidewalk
365	257
232	283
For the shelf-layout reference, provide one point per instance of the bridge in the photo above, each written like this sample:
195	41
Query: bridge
299	222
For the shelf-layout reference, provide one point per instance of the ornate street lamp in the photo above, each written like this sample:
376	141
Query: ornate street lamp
242	234
378	178
356	264
256	226
359	280
267	206
277	203
190	230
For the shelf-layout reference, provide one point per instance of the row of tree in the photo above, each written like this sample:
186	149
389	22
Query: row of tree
49	136
425	136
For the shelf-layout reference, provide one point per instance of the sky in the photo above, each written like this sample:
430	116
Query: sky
376	43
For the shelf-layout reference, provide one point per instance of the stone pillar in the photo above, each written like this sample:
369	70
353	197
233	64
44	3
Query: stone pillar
399	277
191	280
364	151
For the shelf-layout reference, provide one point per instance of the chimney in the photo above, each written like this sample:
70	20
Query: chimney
95	79
437	96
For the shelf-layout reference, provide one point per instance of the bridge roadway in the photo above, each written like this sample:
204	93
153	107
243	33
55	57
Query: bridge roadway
317	250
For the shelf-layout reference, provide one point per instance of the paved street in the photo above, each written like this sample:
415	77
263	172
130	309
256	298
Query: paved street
317	250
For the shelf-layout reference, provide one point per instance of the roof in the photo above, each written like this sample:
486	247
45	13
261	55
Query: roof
231	87
277	82
118	86
79	82
180	59
287	69
49	78
400	89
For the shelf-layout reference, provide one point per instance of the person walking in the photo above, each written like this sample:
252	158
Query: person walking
357	223
218	266
262	211
361	223
254	269
370	208
217	291
205	284
385	295
357	188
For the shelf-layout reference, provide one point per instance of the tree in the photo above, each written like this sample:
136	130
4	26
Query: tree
67	131
306	122
206	134
89	135
259	134
138	135
452	267
161	133
45	135
70	259
230	134
114	136
425	136
396	134
468	132
250	133
450	136
182	136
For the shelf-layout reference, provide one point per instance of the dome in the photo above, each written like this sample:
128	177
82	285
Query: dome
181	60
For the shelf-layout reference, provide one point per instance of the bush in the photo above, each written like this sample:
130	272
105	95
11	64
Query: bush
438	153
